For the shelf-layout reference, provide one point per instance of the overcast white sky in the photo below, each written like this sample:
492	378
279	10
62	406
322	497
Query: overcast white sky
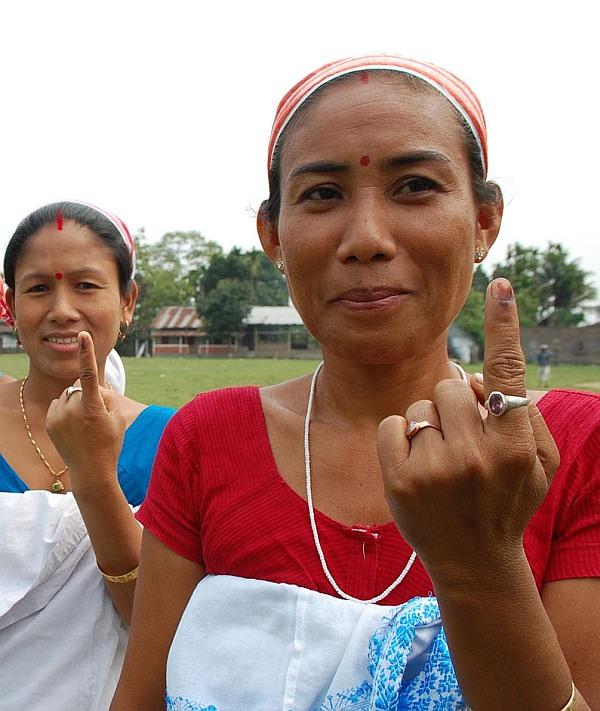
161	112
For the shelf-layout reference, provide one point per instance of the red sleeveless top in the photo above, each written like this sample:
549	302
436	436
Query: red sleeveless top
216	498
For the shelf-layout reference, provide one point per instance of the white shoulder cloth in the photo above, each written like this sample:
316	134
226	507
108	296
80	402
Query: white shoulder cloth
61	640
251	645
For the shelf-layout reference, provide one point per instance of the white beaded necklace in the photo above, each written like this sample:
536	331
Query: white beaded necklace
311	512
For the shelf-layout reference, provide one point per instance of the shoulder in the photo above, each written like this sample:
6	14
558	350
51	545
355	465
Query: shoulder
289	397
9	393
573	418
215	410
128	408
563	404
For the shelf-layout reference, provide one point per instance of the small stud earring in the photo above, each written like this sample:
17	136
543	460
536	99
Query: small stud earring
279	264
17	337
479	254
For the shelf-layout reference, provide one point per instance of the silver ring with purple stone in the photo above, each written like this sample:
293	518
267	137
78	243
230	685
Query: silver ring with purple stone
498	403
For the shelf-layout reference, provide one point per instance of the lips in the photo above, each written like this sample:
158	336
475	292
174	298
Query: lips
366	295
376	299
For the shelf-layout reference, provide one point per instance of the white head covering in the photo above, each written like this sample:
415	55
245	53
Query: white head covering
114	372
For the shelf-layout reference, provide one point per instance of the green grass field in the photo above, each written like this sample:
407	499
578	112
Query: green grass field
174	381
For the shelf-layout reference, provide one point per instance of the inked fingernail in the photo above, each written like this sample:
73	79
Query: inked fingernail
479	378
502	290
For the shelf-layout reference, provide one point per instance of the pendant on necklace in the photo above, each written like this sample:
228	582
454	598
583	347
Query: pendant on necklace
57	487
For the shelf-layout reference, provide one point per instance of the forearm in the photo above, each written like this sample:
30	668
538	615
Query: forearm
165	586
115	536
503	646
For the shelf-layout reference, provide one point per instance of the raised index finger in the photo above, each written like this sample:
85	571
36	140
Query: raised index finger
88	370
504	363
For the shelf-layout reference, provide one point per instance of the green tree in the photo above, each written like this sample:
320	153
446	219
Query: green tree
470	319
551	289
480	280
231	284
268	287
564	288
168	272
521	267
224	309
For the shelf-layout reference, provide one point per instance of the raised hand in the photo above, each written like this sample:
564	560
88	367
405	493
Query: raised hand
462	496
86	428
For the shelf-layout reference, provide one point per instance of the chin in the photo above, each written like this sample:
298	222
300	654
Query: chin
67	369
370	350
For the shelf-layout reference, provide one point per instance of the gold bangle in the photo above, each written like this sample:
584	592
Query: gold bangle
125	578
572	699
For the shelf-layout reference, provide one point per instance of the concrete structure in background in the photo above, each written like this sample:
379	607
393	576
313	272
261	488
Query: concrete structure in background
277	332
568	345
176	330
8	341
269	332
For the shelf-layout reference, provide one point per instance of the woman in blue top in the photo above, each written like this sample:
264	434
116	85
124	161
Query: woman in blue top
70	293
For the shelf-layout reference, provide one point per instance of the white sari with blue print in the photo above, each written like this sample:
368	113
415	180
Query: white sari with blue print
62	642
251	645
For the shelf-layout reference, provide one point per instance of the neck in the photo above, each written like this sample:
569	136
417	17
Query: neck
40	389
364	395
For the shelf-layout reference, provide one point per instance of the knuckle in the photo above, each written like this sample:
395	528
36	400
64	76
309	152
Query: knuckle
86	372
550	459
420	409
473	464
522	457
395	488
507	365
451	387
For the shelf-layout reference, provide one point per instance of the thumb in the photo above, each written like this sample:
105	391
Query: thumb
88	370
393	449
476	383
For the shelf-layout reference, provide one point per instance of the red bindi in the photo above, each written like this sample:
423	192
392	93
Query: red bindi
59	220
364	77
58	275
364	161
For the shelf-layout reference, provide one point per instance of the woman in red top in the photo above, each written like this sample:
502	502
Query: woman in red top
378	208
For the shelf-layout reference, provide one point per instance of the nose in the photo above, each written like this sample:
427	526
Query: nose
62	308
366	236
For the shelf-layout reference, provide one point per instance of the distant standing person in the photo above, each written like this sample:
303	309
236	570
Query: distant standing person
543	358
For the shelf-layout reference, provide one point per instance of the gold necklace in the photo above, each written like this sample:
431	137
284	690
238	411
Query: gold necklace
57	487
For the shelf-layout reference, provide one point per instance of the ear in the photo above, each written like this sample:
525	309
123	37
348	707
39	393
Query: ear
128	302
268	233
489	219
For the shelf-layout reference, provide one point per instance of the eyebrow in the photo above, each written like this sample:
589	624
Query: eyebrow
317	167
416	157
394	162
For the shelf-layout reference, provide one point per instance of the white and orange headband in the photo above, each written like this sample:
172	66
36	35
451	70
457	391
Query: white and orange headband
456	91
119	225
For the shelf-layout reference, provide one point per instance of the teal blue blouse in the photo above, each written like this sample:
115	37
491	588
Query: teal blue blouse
135	463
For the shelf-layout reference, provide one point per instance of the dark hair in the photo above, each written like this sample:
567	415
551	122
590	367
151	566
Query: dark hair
484	191
81	214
